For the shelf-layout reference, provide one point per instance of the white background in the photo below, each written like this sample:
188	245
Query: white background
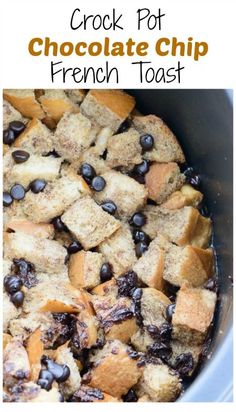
211	21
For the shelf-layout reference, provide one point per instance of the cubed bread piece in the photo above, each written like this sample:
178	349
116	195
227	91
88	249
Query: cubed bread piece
116	316
75	95
53	297
31	392
153	307
159	383
124	149
181	351
113	372
162	180
119	250
89	223
24	327
36	138
35	349
24	101
74	134
187	264
193	314
87	394
47	255
166	147
186	196
55	198
43	230
9	312
87	327
106	288
107	107
64	356
141	340
55	103
125	192
10	114
36	167
150	266
84	269
181	226
16	364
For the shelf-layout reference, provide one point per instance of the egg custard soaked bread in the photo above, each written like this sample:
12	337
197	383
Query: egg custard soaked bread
109	287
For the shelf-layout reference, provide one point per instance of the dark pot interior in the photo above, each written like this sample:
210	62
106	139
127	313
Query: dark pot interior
203	123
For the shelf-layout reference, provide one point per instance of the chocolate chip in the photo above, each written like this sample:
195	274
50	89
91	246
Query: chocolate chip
88	172
12	284
109	207
7	199
127	284
17	192
37	185
58	224
17	298
211	284
136	297
192	177
46	379
140	248
44	384
98	183
169	311
184	363
105	272
20	156
60	372
138	219
140	236
142	168
124	126
17	127
146	142
160	350
74	247
130	396
26	272
8	137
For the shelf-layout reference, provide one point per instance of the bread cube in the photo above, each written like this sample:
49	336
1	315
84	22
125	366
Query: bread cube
31	392
36	138
43	230
181	226
36	167
186	196
35	349
180	349
119	250
162	180
106	288
193	314
124	149
107	107
50	296
114	372
75	95
153	307
87	394
74	134
10	114
55	198
16	364
141	340
47	255
89	223
150	266
159	384
24	101
9	312
84	269
55	103
166	147
64	356
87	328
125	192
115	316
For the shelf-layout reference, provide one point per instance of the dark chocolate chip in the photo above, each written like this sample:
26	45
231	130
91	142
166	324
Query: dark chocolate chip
7	199
109	207
142	168
98	183
160	350
74	247
17	127
169	311
59	226
130	396
60	372
105	272
184	363
140	248
211	284
127	284
17	192
17	298
138	219
37	185
20	156
88	172
12	284
8	136
140	236
124	126
26	272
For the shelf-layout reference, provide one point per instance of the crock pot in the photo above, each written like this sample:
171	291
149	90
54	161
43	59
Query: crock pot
203	123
